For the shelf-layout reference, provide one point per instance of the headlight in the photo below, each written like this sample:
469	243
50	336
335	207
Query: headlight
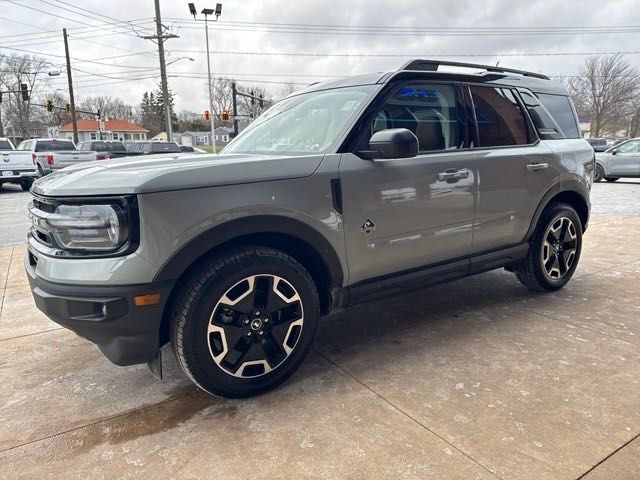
93	228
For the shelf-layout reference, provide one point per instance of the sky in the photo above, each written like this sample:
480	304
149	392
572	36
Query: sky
271	42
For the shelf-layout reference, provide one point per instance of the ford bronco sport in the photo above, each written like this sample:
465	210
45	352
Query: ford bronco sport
337	195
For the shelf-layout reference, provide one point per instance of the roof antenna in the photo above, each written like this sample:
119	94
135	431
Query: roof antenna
497	63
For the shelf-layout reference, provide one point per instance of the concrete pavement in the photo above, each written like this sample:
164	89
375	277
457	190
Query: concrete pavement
478	378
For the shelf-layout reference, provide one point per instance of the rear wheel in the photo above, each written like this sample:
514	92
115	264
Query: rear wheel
554	250
612	179
599	173
26	183
245	321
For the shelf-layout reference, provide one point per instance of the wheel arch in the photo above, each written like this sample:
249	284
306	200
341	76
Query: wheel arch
574	194
301	241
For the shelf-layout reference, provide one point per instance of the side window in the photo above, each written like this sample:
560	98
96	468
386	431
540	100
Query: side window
561	109
541	117
501	122
21	146
429	111
632	146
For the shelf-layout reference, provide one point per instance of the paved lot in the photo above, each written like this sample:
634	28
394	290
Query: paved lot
474	379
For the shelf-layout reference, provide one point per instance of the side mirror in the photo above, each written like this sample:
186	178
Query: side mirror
614	151
393	143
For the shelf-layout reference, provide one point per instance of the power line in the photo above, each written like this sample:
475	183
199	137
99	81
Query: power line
408	55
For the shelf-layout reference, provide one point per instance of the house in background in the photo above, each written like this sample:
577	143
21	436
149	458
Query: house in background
194	139
113	130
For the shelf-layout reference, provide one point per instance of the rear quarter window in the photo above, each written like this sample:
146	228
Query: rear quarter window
5	145
501	122
165	148
561	109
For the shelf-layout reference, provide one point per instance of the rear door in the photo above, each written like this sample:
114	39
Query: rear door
514	168
625	160
406	213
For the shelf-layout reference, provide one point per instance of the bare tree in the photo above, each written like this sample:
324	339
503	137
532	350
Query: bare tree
15	70
222	96
109	107
605	90
288	88
252	108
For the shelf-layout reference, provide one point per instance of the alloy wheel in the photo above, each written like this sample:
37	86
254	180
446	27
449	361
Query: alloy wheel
559	248
255	326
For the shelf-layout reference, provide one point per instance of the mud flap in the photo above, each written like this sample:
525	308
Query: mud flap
155	365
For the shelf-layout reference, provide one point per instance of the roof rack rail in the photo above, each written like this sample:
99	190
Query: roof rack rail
432	66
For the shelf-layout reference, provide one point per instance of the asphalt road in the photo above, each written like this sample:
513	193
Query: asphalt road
618	198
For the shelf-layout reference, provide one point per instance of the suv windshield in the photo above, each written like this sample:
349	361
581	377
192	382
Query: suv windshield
307	123
51	145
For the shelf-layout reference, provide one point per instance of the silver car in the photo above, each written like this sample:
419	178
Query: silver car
622	160
340	194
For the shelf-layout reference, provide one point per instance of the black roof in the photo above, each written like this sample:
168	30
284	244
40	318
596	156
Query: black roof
430	70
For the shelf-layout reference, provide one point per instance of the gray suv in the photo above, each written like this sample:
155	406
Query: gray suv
340	194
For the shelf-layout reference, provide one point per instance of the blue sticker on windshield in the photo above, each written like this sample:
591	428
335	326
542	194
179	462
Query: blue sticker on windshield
420	92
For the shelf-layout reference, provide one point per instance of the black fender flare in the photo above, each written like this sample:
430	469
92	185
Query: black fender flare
572	186
202	244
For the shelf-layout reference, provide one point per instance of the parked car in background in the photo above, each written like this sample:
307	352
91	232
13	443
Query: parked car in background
337	195
621	160
16	166
105	148
598	144
191	149
151	148
51	154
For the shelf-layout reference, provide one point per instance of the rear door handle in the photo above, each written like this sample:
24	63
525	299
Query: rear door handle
453	174
534	167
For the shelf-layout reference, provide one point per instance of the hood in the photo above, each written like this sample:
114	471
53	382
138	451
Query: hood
160	173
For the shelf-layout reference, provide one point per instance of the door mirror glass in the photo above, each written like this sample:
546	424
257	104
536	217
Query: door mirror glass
393	143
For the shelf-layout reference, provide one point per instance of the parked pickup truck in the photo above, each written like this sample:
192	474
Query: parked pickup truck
50	154
105	148
15	166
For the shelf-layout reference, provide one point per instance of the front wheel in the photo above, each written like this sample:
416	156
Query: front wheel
554	250
245	321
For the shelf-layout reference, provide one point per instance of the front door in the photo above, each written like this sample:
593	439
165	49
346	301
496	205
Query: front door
406	213
625	162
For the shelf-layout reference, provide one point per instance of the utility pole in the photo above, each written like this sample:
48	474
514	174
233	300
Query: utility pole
159	37
72	101
235	109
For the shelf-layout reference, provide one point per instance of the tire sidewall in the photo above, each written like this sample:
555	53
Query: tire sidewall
551	216
195	348
599	173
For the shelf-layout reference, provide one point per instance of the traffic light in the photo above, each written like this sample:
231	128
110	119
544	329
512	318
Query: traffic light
67	107
225	115
49	105
0	97
206	115
24	89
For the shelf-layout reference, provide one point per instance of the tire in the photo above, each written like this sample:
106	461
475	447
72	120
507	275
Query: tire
599	173
40	171
611	179
554	250
261	301
26	183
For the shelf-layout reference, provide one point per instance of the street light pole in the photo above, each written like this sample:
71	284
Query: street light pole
206	12
72	101
212	115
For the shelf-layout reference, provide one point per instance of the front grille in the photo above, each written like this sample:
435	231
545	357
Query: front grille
38	211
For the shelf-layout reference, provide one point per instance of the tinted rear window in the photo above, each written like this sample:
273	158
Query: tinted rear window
561	109
5	145
164	147
108	147
501	121
51	145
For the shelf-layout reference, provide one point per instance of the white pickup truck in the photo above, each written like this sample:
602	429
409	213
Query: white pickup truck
50	154
16	166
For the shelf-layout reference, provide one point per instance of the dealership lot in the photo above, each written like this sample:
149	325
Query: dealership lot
479	378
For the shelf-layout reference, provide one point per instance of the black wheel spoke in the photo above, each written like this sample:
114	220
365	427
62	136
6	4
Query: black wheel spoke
562	264
274	302
562	236
550	263
274	353
551	237
569	244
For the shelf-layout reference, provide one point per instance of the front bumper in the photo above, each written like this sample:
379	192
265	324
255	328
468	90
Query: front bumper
105	315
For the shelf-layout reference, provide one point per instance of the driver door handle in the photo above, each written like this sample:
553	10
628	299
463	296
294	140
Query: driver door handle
453	174
534	167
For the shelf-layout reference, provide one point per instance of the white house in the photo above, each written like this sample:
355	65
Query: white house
113	130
